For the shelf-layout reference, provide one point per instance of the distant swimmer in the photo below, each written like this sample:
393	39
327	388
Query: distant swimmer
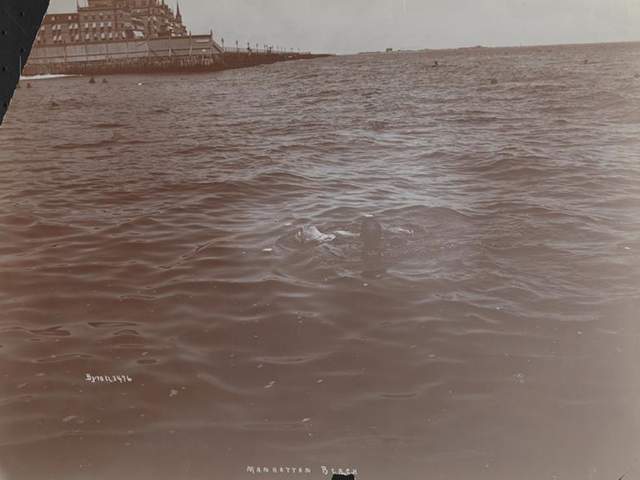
104	80
435	64
494	81
371	235
28	85
92	80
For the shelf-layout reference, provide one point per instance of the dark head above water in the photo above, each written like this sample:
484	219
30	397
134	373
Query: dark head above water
371	234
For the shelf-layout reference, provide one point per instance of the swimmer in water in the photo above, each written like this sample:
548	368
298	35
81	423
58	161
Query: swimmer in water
311	234
370	235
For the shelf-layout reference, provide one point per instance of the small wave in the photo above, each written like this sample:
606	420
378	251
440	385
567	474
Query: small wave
43	77
426	215
85	145
109	125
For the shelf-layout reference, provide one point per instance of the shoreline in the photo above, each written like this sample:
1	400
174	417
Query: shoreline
156	65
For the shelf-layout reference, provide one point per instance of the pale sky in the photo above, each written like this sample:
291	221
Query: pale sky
346	26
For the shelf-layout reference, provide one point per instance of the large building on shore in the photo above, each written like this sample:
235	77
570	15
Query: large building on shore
100	21
105	37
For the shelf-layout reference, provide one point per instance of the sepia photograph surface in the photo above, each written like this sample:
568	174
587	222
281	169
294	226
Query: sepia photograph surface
295	239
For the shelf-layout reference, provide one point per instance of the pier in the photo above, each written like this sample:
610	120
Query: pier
234	59
194	53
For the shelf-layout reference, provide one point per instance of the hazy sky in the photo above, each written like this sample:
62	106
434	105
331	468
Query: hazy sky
343	26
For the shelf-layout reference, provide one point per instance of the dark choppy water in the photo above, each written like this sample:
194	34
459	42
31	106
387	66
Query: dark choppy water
150	230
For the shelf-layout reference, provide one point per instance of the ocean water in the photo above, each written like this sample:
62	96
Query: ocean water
200	235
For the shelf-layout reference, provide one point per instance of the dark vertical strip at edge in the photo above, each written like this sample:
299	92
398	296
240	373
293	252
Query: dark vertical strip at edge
19	24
